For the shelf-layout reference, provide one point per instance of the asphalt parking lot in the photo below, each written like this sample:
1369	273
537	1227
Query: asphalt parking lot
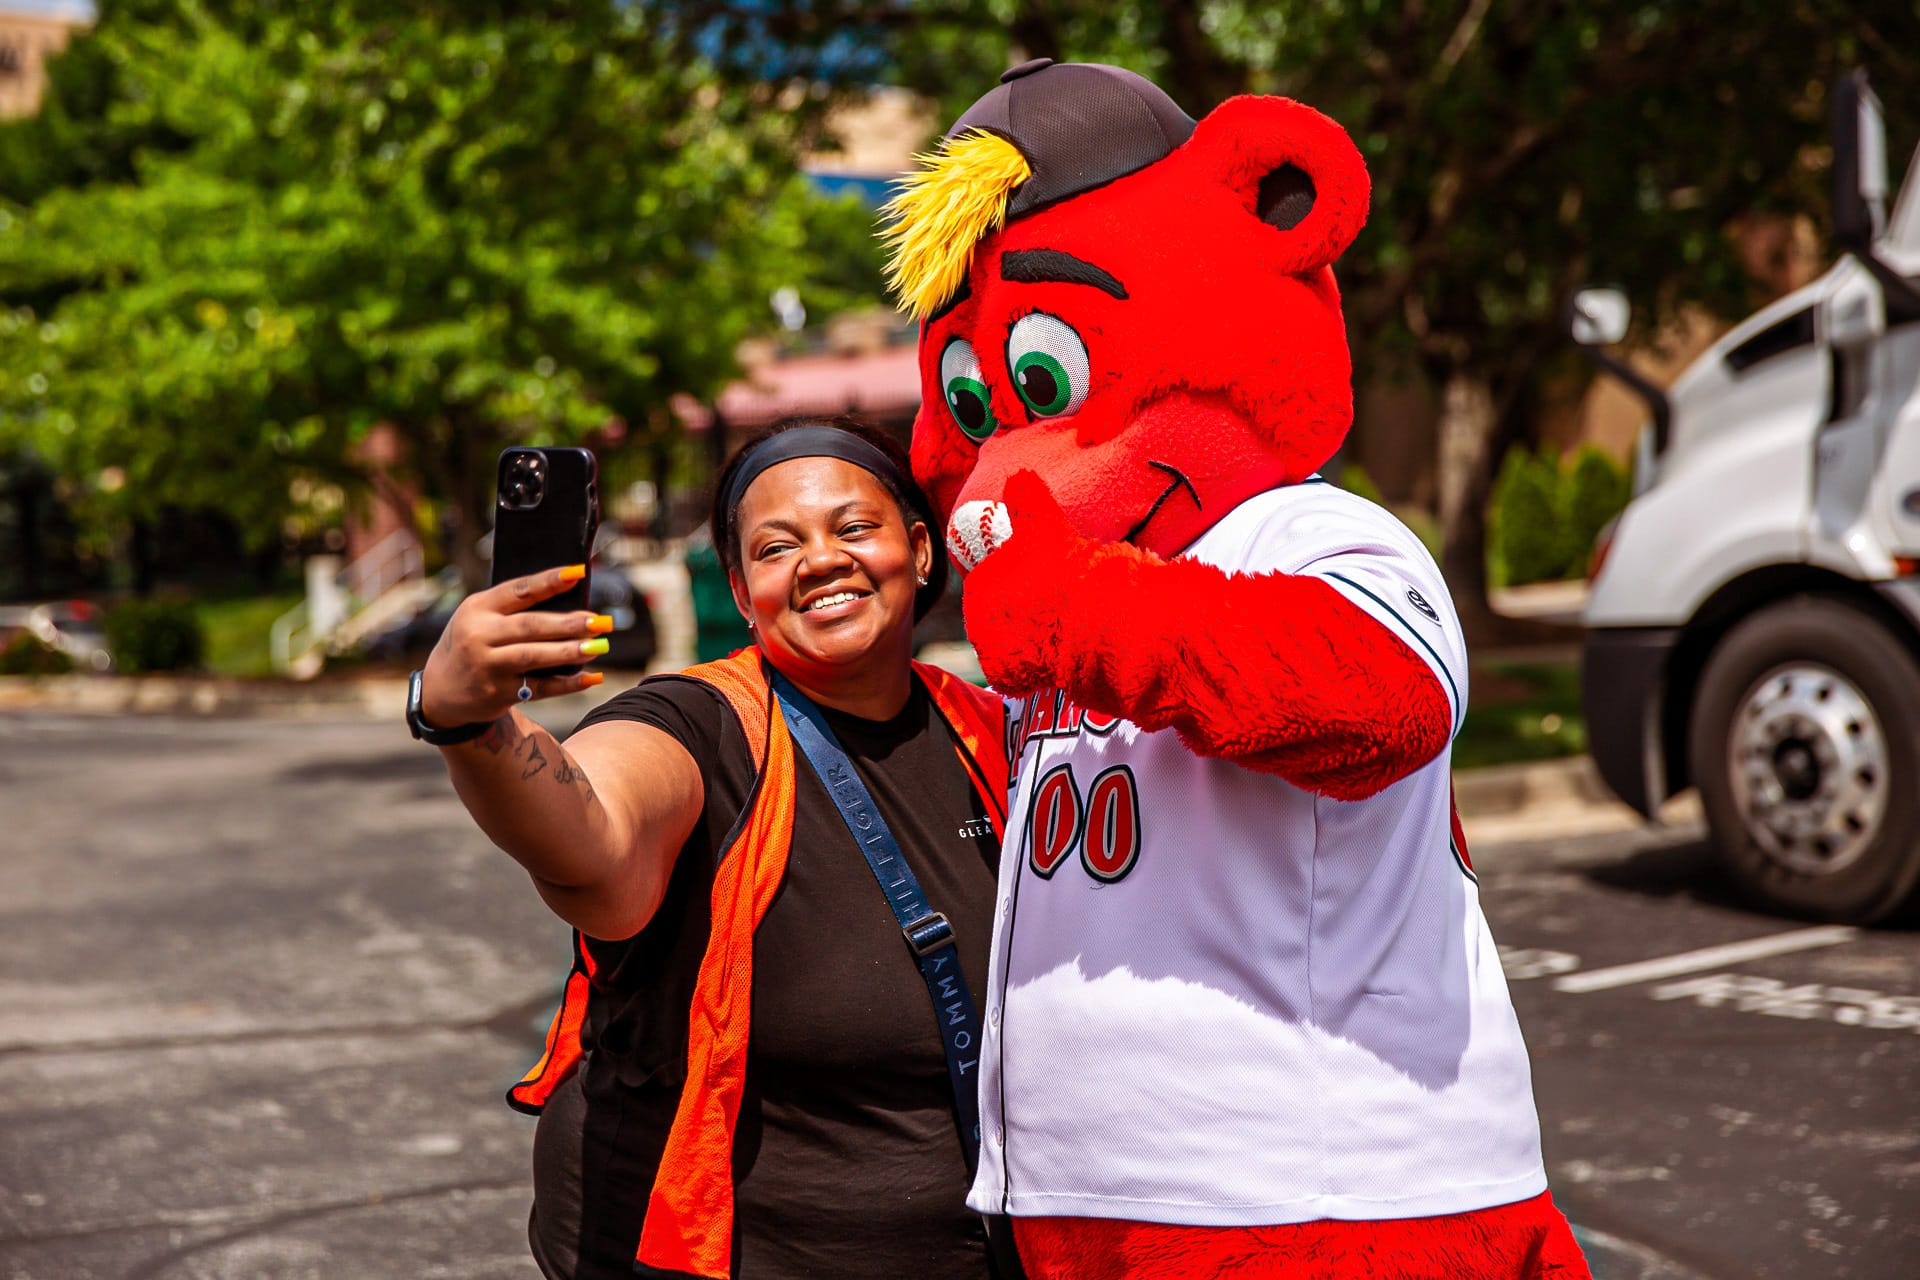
1736	1092
261	984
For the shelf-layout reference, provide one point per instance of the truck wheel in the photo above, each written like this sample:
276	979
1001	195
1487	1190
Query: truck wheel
1805	745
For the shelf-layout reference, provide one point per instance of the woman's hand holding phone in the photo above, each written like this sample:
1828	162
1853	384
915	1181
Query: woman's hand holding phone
474	674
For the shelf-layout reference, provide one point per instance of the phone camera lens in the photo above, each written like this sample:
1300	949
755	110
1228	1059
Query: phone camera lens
523	484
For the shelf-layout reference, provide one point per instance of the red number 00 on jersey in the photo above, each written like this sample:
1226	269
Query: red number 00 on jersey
1105	825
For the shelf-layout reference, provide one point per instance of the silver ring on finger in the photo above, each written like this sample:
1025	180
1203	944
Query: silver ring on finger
524	692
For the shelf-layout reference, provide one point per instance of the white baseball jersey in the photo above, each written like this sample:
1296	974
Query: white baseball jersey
1217	999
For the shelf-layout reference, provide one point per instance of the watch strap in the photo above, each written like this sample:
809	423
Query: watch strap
418	726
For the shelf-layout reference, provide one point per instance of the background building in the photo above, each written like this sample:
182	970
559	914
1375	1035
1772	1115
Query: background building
30	32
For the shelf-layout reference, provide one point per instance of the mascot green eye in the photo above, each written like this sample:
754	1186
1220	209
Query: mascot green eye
1049	364
966	390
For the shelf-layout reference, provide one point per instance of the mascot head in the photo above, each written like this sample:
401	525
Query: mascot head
1137	307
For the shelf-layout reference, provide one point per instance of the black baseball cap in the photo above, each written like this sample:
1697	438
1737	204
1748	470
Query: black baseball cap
1080	125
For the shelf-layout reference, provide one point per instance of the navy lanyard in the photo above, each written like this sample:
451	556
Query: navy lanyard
929	935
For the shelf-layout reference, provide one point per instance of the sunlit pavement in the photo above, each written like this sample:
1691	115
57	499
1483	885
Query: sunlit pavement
261	984
1738	1093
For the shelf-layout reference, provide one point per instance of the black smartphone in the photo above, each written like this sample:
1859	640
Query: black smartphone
546	513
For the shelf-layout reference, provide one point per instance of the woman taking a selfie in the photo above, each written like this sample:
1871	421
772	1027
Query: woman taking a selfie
747	1076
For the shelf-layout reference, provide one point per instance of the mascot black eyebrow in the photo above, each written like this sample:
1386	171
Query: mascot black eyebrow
1245	1017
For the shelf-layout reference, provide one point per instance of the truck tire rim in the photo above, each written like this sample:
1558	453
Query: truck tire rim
1807	760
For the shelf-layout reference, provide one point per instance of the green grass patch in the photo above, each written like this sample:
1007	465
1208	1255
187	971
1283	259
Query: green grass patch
237	632
1521	711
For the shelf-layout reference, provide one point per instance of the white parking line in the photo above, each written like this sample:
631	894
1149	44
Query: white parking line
1773	944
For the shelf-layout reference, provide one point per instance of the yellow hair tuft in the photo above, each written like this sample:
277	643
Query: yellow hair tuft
940	212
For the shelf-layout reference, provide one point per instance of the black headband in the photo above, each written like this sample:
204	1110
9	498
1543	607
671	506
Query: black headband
811	442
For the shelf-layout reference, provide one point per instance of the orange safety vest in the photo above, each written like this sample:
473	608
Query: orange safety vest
689	1223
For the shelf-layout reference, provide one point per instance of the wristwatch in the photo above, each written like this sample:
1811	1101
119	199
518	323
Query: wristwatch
418	726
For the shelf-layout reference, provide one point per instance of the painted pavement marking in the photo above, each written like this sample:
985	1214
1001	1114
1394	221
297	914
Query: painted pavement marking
1773	944
1522	963
1848	1006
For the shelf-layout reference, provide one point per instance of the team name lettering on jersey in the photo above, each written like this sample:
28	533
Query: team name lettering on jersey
1051	715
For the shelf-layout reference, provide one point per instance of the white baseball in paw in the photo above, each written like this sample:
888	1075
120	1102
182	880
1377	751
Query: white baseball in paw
975	529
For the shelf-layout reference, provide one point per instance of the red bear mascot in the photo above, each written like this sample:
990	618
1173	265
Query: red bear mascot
1244	1016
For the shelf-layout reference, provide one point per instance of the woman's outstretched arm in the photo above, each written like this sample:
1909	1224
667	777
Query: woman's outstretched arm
596	823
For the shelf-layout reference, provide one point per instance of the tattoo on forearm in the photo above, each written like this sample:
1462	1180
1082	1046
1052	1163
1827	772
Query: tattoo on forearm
504	735
569	772
528	751
499	735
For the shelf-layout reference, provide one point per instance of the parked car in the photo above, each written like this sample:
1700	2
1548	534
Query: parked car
72	627
632	643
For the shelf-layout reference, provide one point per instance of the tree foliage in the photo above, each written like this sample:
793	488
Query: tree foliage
242	233
1516	150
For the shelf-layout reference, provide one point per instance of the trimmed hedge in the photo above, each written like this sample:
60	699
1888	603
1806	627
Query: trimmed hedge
1547	513
27	655
1597	490
155	635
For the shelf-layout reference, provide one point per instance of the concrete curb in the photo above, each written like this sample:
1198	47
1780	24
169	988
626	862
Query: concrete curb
203	696
1550	799
1497	802
1573	782
215	697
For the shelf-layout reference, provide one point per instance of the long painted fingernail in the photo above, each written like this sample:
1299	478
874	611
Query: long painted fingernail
593	678
573	573
593	648
599	624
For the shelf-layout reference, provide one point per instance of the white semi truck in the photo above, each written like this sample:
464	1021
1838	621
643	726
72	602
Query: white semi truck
1754	623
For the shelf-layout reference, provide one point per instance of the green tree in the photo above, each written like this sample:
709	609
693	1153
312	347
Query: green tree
1517	152
243	233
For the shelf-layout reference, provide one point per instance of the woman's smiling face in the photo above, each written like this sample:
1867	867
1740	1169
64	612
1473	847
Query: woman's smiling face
829	567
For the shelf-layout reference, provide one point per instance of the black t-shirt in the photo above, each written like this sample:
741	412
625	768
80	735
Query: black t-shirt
847	1162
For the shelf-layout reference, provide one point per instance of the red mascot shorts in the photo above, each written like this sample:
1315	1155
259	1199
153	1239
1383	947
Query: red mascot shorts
1529	1240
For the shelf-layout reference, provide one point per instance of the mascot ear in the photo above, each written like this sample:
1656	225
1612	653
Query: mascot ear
1296	170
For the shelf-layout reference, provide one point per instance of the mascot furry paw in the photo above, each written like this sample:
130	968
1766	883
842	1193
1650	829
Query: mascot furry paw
1244	1014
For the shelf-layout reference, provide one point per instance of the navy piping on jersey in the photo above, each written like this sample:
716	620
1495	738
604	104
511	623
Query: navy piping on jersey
1459	710
1453	847
1006	965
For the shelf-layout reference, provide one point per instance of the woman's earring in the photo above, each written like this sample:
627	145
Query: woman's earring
922	579
749	624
